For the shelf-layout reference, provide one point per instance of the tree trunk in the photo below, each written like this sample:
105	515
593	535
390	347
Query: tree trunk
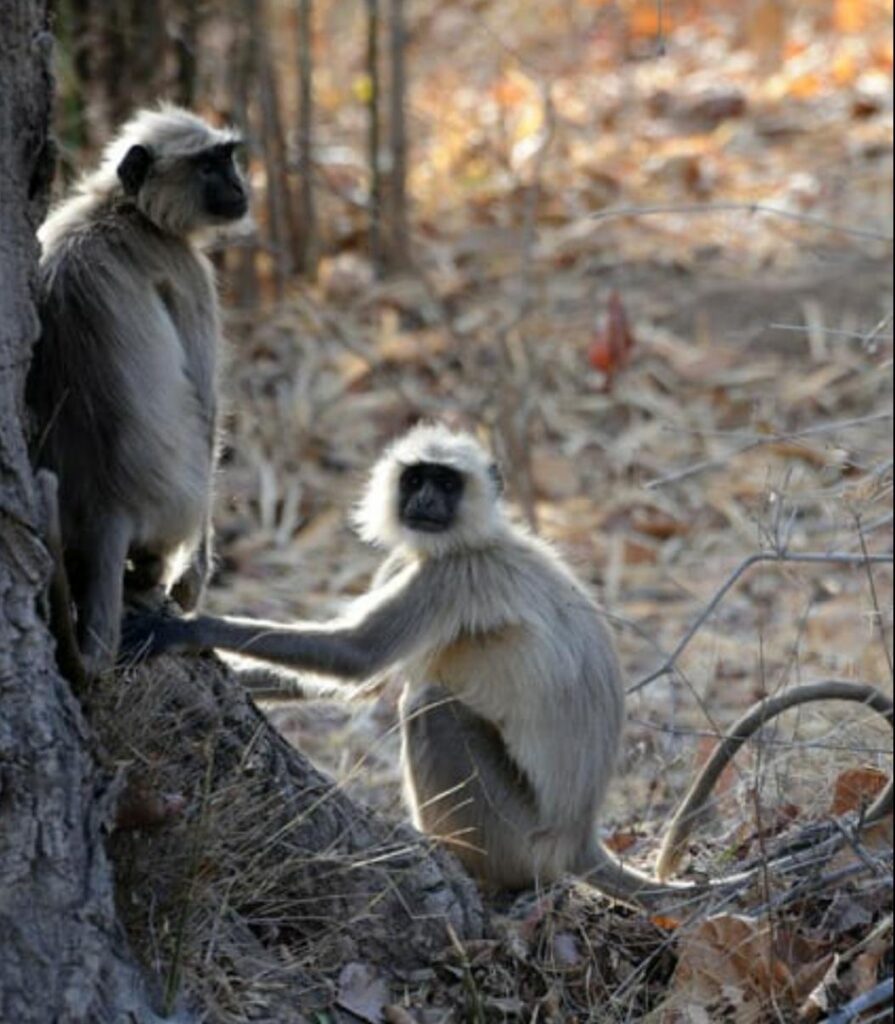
279	202
308	263
243	74
398	255
187	49
374	139
63	958
269	882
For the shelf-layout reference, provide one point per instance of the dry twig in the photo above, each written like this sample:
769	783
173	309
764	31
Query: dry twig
868	1001
804	558
750	208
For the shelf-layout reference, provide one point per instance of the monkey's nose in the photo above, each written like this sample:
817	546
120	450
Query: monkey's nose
236	205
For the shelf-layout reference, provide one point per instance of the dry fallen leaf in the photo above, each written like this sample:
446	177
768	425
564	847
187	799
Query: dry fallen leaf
740	969
555	476
398	1015
140	806
565	950
362	993
611	348
656	523
621	842
857	788
817	1004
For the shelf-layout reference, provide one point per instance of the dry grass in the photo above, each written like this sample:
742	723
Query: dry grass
250	899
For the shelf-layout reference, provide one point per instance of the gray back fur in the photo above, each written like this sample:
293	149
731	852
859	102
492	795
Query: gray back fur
127	366
123	386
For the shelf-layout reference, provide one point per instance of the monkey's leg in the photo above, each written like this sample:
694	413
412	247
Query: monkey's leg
99	626
146	573
190	588
144	582
68	656
465	790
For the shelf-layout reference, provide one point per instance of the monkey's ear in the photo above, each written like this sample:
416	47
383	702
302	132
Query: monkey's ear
134	168
497	478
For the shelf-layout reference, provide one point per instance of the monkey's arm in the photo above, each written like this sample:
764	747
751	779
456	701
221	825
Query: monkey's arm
389	626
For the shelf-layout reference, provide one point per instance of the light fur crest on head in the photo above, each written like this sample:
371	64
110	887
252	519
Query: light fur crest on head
480	513
170	132
172	135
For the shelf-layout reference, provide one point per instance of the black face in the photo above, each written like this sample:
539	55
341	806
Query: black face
223	190
429	496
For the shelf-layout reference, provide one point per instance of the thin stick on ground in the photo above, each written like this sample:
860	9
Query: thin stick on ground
810	887
874	596
869	1001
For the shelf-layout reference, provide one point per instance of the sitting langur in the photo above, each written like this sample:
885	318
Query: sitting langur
513	710
123	385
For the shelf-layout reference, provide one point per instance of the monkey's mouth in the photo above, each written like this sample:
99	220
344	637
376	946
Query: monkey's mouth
426	524
232	209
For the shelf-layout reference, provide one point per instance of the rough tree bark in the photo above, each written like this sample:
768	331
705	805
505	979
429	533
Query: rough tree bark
398	228
276	880
63	955
308	243
279	201
341	883
374	139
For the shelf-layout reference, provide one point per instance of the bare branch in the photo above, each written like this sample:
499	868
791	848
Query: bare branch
871	339
805	558
813	885
751	208
833	332
747	727
878	619
868	1001
758	442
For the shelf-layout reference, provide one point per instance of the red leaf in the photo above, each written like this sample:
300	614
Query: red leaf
611	348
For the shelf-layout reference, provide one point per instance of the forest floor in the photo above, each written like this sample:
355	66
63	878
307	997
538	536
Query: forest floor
670	392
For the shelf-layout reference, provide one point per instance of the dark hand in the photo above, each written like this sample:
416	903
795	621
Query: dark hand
146	634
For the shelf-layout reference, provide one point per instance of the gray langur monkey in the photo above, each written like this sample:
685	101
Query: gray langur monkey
123	385
513	709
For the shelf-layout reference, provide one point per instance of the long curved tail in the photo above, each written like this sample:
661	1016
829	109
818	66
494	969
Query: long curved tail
626	884
695	801
645	892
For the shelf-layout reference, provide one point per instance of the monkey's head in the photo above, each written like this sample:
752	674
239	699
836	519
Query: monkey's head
178	170
434	491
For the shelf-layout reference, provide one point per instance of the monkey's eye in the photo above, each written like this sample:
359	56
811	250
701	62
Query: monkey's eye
412	479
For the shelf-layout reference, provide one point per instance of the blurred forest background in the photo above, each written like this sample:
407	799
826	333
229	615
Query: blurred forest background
645	249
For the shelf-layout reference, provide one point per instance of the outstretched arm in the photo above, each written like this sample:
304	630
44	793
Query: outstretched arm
391	624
